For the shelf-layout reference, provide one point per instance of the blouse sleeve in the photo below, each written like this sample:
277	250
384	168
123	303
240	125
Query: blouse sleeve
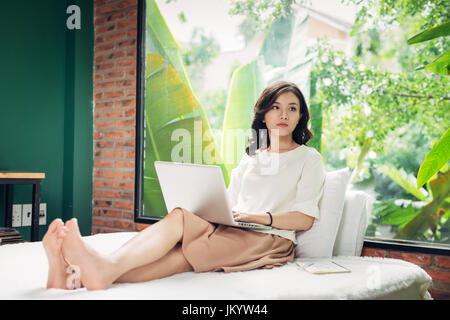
235	180
310	186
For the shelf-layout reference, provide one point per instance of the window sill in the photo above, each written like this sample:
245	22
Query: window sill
407	245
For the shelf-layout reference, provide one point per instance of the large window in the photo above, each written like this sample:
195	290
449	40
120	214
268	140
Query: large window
204	63
200	78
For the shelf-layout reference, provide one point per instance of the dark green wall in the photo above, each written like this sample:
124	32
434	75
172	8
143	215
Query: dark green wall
46	106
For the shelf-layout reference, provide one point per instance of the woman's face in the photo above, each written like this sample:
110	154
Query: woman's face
285	110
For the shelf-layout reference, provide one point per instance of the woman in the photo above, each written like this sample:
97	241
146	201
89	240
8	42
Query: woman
285	196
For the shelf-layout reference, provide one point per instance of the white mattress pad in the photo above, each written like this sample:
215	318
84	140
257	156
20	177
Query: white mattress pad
24	268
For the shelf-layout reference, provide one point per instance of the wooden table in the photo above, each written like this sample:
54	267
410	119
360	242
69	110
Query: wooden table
10	178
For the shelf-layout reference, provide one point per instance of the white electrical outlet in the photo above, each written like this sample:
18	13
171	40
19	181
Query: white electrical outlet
42	214
26	215
17	215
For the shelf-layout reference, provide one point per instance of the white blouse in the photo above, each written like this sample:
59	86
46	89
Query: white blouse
278	182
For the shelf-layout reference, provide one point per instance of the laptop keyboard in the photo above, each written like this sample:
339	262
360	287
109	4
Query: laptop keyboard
247	224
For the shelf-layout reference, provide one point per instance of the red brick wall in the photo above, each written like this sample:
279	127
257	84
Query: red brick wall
437	267
114	134
115	61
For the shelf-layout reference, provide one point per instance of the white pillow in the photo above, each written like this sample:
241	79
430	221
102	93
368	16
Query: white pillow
358	208
318	241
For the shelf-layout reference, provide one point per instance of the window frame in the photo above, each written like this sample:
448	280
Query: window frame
369	242
407	245
140	104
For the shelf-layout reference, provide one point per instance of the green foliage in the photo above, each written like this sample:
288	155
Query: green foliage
435	159
275	49
246	85
429	217
248	28
432	33
182	17
395	12
406	181
261	14
376	93
440	65
200	50
215	102
198	53
392	214
397	20
362	102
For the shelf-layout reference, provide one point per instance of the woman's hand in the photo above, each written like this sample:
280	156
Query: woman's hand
292	220
246	217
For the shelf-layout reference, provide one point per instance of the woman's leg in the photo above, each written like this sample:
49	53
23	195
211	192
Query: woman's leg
172	263
100	271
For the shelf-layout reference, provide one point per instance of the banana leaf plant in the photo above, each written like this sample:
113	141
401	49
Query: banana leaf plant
173	115
433	206
430	216
247	83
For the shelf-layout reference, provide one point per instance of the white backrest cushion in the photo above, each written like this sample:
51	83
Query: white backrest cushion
358	208
318	241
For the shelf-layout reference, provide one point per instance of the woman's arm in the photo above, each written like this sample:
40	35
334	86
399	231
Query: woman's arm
293	220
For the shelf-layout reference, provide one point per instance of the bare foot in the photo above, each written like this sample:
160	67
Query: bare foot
93	266
52	242
72	225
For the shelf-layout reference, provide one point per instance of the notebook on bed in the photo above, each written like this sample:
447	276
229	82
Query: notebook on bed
322	267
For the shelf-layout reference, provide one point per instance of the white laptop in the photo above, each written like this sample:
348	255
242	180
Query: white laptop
200	189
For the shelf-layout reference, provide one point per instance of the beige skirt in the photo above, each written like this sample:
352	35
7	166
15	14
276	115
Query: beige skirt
210	247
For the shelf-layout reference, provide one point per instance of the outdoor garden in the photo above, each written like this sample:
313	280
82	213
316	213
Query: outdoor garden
380	107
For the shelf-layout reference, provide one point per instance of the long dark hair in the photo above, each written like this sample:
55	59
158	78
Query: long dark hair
300	135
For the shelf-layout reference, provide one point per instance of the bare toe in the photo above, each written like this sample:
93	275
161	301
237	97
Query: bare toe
52	239
72	225
54	225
